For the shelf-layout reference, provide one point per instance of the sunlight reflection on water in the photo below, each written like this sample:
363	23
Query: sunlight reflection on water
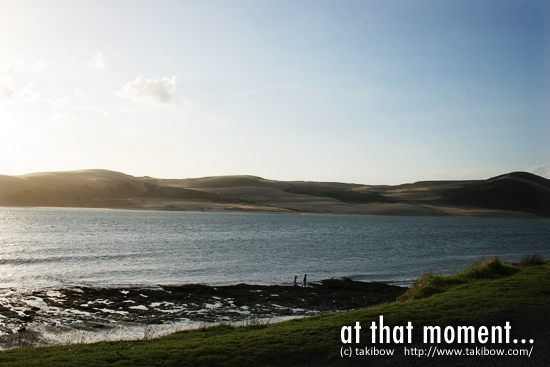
56	247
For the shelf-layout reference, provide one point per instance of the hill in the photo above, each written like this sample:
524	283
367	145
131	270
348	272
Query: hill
519	191
516	194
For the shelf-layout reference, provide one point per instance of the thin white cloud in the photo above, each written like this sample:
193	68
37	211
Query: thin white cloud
23	94
154	90
295	87
70	120
98	62
10	90
541	170
7	92
28	92
8	73
40	66
246	93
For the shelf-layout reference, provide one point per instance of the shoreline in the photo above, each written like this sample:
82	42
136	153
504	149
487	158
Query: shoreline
48	317
402	209
484	296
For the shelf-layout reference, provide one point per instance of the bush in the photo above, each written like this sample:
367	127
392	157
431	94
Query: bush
430	284
531	260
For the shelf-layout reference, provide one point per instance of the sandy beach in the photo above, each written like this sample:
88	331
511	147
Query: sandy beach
312	205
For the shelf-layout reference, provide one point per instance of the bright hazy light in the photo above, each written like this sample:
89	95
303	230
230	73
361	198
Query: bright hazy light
370	92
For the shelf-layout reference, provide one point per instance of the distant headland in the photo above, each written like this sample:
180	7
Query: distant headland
512	195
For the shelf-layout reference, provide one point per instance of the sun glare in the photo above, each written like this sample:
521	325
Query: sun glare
10	131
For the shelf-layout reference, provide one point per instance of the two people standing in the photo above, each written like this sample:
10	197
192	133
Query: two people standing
296	280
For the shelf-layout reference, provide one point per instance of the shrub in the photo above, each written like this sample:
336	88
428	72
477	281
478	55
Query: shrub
430	284
531	260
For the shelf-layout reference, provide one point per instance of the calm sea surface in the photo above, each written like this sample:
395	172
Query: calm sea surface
51	247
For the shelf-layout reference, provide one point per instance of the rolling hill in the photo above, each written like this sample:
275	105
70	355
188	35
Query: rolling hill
516	194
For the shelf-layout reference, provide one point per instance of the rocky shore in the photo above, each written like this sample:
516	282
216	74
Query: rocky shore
27	316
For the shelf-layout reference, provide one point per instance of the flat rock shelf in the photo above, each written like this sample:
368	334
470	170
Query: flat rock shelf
95	309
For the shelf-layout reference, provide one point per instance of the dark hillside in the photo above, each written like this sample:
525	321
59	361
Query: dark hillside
342	194
517	191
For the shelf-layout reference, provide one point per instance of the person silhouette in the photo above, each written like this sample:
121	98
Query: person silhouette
305	281
295	280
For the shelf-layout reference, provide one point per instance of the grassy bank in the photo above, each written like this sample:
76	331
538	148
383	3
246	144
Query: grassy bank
485	289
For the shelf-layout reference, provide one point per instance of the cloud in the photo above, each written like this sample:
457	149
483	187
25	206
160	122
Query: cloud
541	170
14	93
8	73
98	62
26	93
70	120
40	66
7	92
154	90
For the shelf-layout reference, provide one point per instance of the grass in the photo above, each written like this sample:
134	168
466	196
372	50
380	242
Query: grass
531	260
430	284
485	288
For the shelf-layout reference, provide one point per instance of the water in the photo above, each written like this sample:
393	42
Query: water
57	247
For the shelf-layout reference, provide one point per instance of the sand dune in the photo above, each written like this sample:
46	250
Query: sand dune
517	194
96	178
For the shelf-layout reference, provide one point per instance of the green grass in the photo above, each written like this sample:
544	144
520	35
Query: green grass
485	288
531	260
431	284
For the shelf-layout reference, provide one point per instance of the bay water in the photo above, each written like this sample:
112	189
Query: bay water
61	247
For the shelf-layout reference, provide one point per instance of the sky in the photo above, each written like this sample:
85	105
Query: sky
363	91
